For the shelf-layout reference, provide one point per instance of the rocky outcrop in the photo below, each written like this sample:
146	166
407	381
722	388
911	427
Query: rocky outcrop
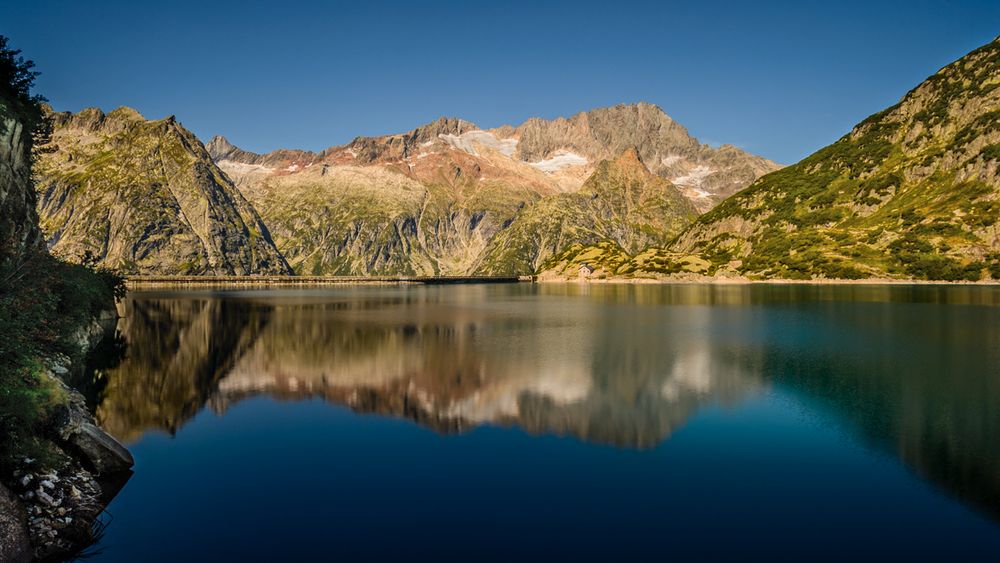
911	192
145	197
65	494
19	232
105	454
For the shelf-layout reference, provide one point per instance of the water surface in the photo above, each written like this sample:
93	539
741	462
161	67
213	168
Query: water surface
500	422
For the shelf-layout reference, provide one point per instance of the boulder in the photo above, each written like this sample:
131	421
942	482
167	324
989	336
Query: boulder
104	453
75	426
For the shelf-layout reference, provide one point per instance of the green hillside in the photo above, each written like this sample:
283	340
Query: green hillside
910	192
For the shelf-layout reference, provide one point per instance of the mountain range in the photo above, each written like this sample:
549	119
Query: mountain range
446	198
910	193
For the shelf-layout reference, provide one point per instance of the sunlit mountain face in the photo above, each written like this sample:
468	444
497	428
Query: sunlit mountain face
624	366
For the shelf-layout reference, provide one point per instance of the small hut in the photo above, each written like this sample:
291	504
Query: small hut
585	270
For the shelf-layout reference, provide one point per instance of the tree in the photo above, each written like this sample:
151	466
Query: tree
16	100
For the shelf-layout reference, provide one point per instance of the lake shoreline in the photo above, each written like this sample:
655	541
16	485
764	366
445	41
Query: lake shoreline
704	280
150	282
181	282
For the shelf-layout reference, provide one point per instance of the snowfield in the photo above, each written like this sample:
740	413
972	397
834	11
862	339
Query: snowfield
467	142
241	168
558	161
694	178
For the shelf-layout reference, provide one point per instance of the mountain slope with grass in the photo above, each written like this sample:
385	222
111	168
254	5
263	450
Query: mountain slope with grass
145	197
910	192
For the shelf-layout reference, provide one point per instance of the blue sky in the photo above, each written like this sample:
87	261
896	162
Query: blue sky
780	79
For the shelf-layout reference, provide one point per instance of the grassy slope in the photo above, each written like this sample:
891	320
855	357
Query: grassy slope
911	192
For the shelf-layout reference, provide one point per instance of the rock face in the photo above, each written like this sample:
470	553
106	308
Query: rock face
19	233
145	197
910	192
440	199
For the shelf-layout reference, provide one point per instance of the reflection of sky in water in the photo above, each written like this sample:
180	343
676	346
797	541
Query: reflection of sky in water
740	386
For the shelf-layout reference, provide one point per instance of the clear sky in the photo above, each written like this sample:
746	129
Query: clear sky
780	79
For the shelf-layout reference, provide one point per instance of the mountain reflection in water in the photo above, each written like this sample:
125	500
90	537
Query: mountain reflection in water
913	370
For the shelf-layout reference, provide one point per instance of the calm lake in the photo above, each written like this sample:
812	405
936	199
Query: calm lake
567	422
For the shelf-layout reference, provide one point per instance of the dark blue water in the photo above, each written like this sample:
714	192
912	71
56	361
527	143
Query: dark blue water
524	422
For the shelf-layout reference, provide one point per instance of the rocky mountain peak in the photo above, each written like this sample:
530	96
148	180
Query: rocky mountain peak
125	113
606	132
94	119
220	147
442	126
87	119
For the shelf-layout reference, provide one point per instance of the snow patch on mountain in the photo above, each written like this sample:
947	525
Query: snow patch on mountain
558	161
695	177
243	168
469	140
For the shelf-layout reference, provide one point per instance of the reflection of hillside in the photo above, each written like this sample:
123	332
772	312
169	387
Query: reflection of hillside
178	350
934	401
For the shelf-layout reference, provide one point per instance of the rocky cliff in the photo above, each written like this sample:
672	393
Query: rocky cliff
910	192
145	197
20	236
